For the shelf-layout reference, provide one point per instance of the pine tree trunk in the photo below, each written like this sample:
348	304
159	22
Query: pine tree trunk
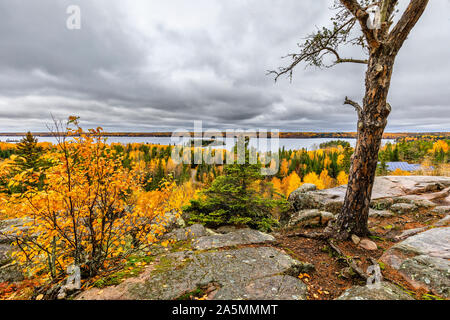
371	123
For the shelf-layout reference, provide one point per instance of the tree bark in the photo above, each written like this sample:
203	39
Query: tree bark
372	117
372	120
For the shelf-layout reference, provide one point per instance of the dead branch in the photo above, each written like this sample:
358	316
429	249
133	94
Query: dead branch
318	45
355	105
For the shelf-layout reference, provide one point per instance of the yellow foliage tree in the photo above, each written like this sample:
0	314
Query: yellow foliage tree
342	178
400	172
92	212
290	183
314	179
284	168
277	185
328	182
439	146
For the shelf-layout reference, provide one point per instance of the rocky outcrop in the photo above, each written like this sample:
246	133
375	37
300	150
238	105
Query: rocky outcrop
247	273
399	194
423	260
183	234
384	291
384	187
240	237
327	200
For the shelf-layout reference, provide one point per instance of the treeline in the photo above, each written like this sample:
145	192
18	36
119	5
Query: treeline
417	150
284	135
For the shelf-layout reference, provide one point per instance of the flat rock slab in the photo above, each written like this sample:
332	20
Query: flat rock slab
279	287
240	237
434	243
423	260
248	273
385	291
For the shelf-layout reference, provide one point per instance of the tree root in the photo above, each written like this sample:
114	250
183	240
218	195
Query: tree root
348	260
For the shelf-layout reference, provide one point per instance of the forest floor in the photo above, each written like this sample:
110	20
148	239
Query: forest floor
332	275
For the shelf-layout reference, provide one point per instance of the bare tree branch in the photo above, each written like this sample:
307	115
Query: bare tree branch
355	105
318	45
408	20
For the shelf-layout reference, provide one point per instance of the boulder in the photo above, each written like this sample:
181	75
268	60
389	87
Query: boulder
328	200
307	215
384	291
423	260
240	237
382	204
305	188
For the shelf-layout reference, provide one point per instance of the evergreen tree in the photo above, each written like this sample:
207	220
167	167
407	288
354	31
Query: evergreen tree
28	161
234	198
28	154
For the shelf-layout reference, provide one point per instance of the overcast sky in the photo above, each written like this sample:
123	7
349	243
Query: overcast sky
149	65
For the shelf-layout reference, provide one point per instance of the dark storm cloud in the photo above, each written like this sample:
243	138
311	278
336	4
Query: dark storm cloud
153	65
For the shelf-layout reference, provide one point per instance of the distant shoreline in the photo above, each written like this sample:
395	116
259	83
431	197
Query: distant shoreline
283	135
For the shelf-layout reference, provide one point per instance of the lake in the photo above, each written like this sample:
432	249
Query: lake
260	144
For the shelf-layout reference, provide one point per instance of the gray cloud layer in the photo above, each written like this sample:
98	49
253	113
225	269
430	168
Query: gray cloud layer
154	65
